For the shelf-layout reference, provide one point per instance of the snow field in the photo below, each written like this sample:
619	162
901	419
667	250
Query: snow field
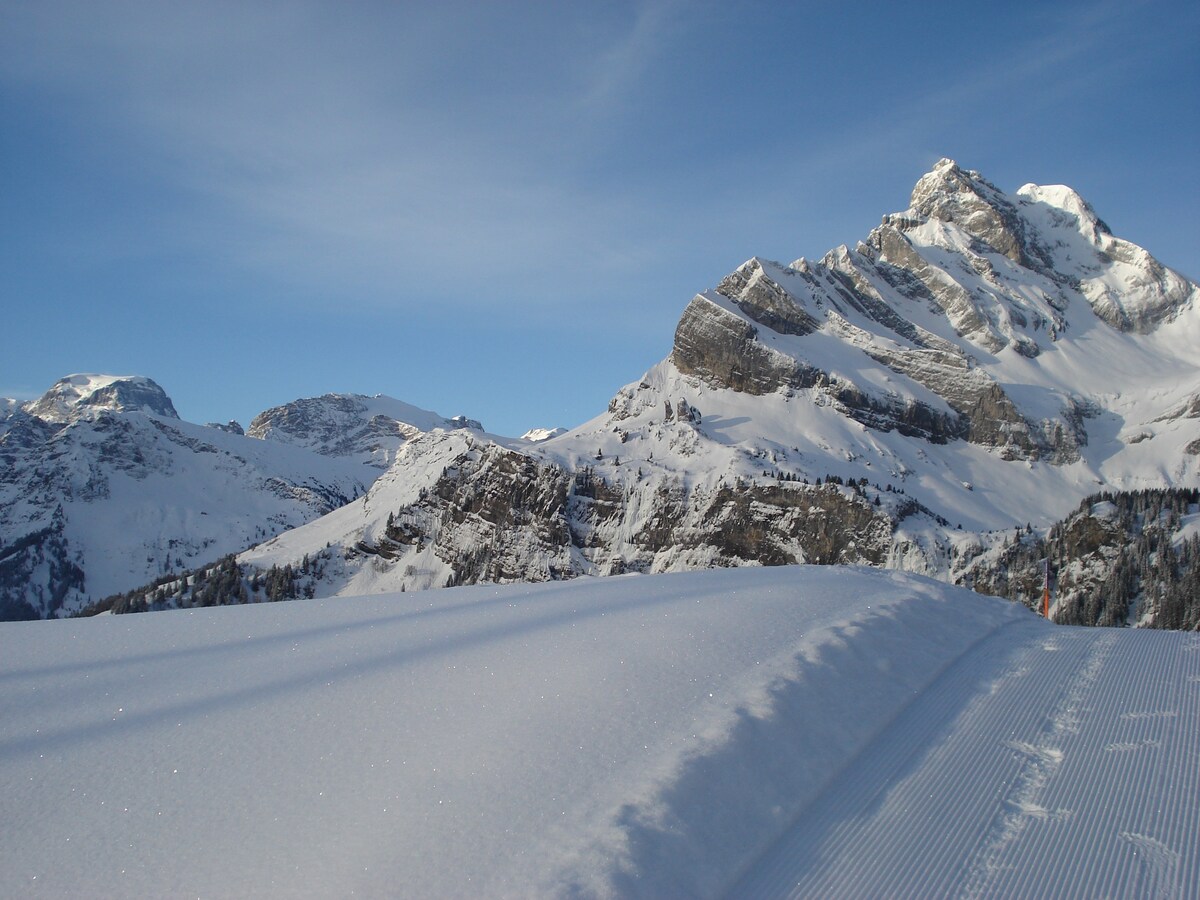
756	731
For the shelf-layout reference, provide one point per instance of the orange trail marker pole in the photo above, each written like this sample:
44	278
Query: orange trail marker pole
1046	592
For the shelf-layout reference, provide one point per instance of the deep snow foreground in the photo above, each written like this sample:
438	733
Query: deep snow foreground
754	731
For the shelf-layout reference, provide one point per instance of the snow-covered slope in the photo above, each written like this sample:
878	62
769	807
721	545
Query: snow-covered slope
103	488
792	731
980	362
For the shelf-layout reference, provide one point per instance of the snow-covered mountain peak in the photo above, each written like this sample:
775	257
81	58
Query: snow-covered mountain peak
958	366
1123	283
966	199
1066	199
947	182
103	487
1003	321
78	395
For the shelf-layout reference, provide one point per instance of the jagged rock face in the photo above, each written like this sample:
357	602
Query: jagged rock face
765	301
776	525
666	527
459	510
495	516
723	349
964	198
455	509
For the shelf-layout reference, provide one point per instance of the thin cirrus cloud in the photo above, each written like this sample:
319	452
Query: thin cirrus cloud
351	148
614	73
357	157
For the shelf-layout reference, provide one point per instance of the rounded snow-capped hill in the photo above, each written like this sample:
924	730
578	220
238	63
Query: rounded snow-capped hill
537	435
1124	284
370	429
77	395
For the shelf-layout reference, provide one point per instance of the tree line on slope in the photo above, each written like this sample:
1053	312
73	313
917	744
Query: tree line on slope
1120	559
223	583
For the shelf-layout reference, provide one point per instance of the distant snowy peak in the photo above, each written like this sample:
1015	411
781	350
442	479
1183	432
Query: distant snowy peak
465	422
78	395
103	488
369	429
537	435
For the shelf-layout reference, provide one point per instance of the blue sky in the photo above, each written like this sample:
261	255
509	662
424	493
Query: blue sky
500	210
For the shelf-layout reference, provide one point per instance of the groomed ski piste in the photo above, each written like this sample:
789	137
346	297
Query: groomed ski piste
808	732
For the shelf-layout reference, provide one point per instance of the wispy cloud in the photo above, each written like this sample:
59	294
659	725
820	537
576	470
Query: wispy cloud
363	159
402	155
615	72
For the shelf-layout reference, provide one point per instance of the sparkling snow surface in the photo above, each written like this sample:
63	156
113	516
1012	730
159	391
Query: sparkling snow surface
828	732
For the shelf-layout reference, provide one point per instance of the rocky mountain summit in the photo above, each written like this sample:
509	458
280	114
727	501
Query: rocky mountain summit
951	321
351	426
103	487
76	396
979	365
